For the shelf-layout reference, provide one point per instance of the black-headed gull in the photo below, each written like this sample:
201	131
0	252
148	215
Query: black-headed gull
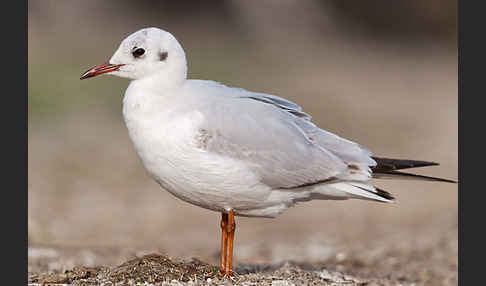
231	150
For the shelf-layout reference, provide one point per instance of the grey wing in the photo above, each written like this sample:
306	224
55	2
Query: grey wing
281	103
349	151
278	141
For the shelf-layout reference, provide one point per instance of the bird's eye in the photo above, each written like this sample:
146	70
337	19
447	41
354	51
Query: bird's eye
138	52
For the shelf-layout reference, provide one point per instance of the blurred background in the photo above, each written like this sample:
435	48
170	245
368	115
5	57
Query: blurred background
382	73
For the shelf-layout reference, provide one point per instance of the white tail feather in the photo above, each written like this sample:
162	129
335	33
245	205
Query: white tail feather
360	190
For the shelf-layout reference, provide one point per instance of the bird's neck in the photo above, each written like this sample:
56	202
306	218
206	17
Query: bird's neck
173	75
148	94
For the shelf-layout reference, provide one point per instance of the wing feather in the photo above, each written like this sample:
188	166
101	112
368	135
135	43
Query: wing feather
279	142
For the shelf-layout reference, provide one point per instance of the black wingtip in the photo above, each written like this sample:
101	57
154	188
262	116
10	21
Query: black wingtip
397	174
387	167
384	194
389	164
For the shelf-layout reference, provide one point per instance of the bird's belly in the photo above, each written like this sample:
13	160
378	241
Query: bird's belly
169	151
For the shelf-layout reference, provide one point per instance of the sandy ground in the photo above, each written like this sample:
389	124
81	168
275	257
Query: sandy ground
91	203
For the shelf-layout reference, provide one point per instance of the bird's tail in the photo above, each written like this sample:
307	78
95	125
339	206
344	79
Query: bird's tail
387	168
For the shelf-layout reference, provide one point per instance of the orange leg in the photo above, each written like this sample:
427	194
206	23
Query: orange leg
224	243
230	228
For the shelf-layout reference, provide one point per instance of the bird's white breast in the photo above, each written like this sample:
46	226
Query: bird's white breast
164	129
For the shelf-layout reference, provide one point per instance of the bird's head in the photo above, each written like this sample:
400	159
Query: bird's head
144	54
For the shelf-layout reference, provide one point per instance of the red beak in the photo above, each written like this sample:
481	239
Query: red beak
101	69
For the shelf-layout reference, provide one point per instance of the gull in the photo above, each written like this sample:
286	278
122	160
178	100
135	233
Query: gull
234	151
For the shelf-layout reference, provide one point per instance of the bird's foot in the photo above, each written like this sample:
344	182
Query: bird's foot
226	274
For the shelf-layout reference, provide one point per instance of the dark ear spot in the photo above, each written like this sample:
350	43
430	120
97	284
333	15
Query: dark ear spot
163	56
